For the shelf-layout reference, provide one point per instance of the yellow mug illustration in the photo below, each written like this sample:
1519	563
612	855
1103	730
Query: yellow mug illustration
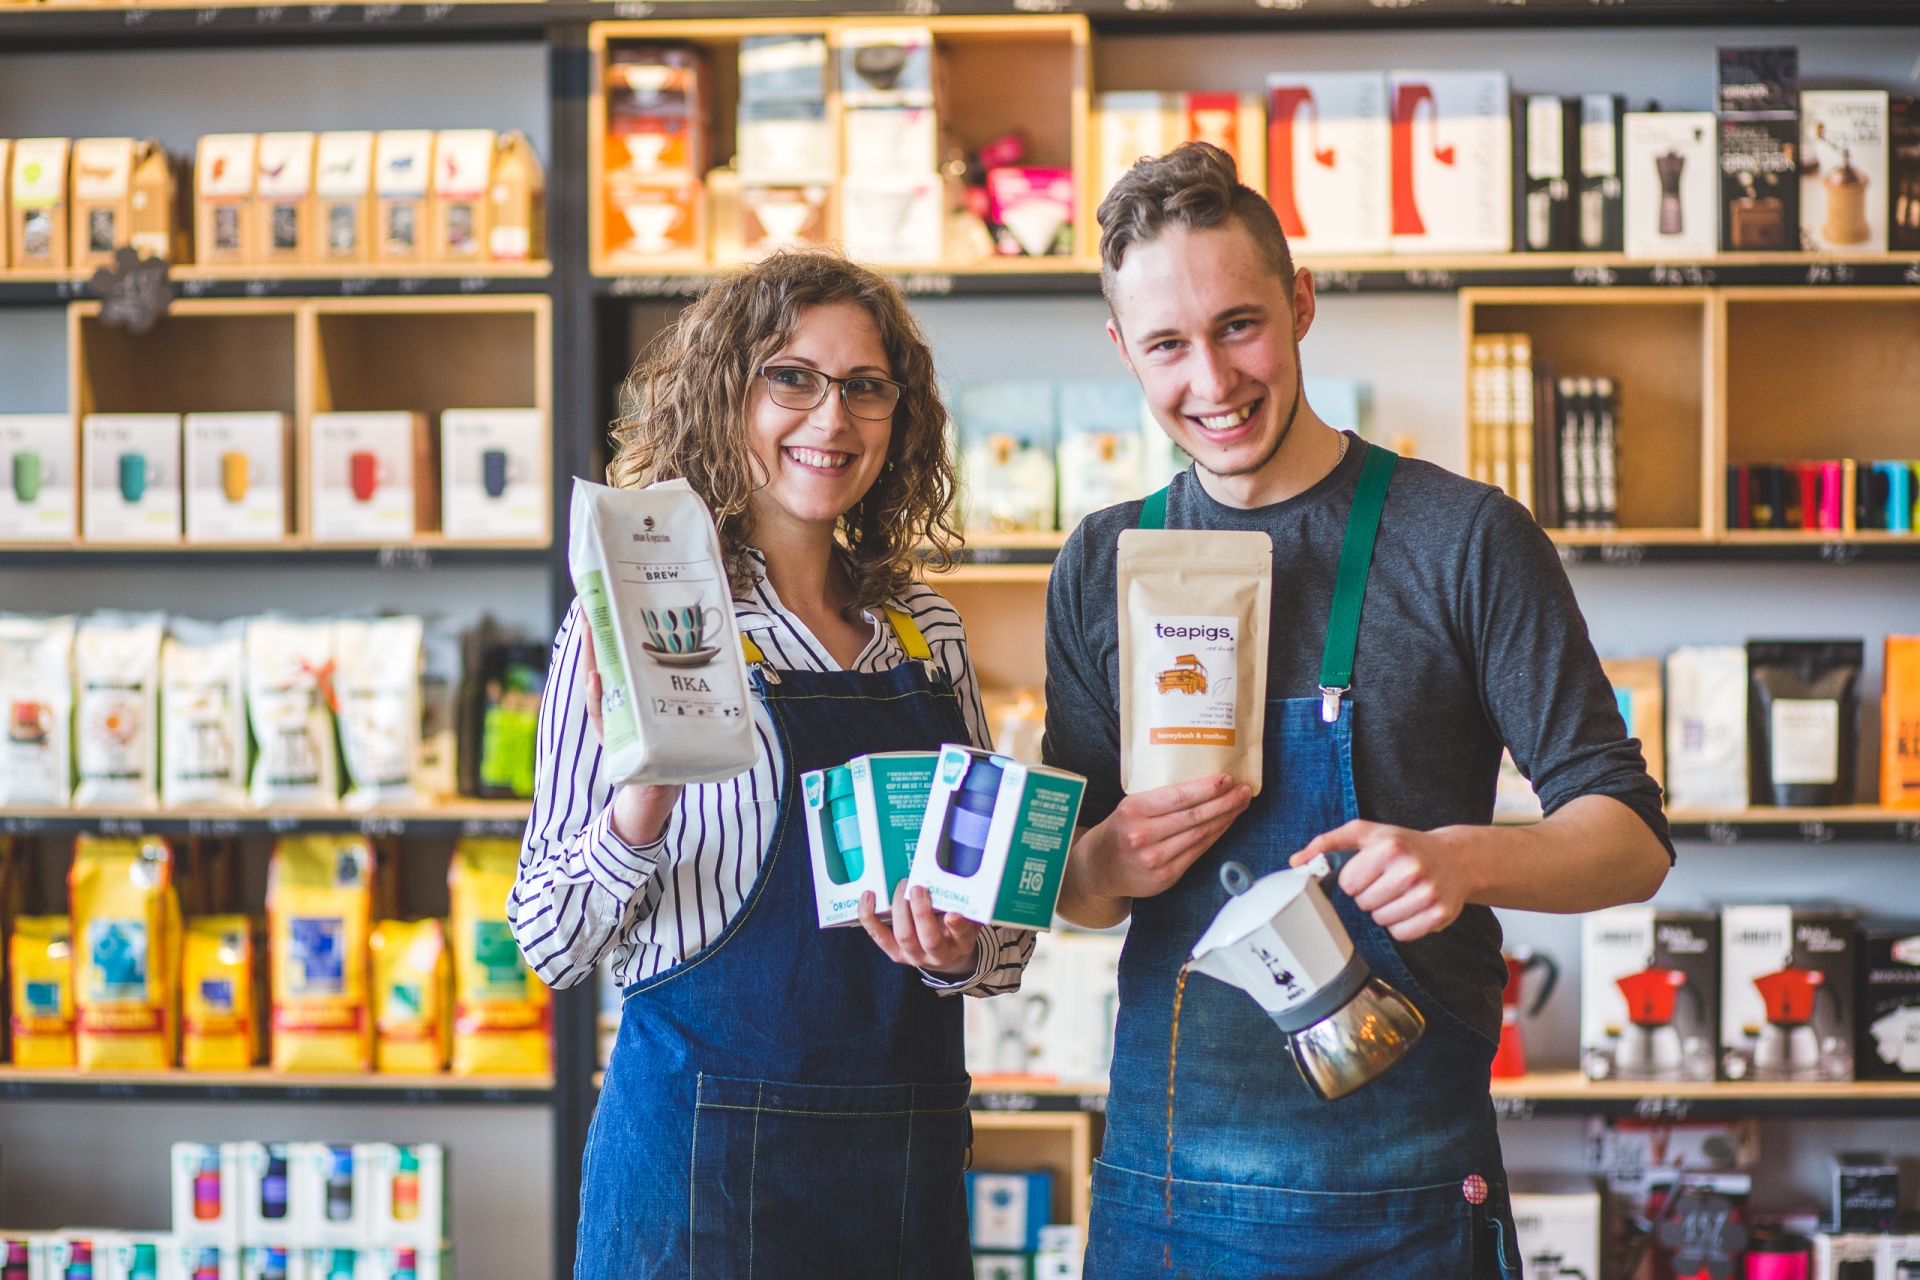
234	475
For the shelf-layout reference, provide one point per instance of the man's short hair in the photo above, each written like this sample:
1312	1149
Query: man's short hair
1194	186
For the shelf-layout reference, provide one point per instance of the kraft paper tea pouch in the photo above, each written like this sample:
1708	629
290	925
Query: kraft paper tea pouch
283	199
6	185
1194	608
102	199
402	173
376	679
116	663
501	1017
319	912
36	697
223	179
647	565
159	228
1900	724
290	703
40	967
462	203
203	714
412	1012
519	193
37	204
343	197
216	994
126	930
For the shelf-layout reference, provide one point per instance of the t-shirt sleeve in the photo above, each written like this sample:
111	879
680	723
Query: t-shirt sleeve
1083	709
1545	691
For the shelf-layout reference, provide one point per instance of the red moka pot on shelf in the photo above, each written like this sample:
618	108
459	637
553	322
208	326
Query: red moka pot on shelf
1511	1059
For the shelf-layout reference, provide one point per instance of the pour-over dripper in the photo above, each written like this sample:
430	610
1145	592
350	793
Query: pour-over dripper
782	220
1034	223
651	223
645	149
880	65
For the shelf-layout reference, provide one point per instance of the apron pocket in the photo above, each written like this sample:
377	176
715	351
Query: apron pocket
797	1180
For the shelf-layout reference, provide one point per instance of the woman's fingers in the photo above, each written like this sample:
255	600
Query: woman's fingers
877	929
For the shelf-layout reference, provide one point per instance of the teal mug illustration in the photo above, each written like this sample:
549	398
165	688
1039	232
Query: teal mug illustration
684	630
133	476
28	473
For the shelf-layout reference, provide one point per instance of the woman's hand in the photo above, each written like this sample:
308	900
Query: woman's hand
921	936
639	813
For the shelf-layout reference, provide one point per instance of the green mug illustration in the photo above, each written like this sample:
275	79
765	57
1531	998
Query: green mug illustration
29	472
682	637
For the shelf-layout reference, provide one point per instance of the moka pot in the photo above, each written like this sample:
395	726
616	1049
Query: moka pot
1280	940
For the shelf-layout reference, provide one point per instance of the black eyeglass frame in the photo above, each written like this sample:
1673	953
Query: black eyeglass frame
899	389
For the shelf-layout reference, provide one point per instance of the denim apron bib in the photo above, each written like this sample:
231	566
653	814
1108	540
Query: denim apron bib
788	1102
1402	1177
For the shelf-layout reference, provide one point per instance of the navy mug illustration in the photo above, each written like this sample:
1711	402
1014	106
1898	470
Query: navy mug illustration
681	637
133	477
969	817
493	472
28	475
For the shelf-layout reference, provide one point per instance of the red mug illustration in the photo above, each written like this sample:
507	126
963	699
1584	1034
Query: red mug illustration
363	473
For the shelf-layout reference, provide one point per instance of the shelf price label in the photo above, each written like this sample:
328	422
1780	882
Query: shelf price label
1662	1108
1513	1108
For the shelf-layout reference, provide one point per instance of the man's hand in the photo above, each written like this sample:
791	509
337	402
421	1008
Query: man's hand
639	813
1412	882
1145	846
921	936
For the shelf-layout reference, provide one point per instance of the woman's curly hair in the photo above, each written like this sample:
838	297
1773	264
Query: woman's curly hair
685	413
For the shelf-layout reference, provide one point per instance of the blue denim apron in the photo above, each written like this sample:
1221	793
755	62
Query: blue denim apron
1402	1177
788	1102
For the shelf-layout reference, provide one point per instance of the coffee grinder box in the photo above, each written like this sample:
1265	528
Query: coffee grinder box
1670	185
1787	995
1887	1046
335	1188
1546	172
1599	221
517	229
408	1196
37	204
206	1192
493	474
1843	170
236	468
1329	143
462	181
872	805
102	199
994	840
132	466
1759	146
402	174
363	478
37	492
283	199
1452	162
223	180
269	1209
1649	994
343	197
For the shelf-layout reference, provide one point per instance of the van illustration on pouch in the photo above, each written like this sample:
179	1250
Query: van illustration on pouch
1187	675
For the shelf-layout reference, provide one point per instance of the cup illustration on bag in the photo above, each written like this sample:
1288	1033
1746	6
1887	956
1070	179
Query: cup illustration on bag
363	473
27	475
493	472
233	475
680	637
133	476
30	722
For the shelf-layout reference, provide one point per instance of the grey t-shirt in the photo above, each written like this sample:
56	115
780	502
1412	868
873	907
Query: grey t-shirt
1470	638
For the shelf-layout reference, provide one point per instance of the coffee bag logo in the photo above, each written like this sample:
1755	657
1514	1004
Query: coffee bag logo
811	785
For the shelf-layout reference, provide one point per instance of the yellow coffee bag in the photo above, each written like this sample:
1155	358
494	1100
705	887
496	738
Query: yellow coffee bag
216	994
40	965
412	1014
502	1013
126	930
1900	725
319	911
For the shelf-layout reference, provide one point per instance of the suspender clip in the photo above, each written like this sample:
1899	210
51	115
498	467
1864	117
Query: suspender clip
766	671
1330	702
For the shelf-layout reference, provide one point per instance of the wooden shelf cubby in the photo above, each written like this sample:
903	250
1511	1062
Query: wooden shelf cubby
1060	1142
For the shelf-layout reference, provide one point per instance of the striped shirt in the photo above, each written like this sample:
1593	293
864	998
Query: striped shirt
583	893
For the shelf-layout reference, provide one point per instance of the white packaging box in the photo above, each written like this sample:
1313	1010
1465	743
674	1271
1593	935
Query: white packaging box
216	1161
493	474
35	1243
225	454
272	1261
1832	1253
428	1227
180	1261
1672	184
1131	127
891	141
321	1262
786	141
1013	1033
64	1244
1062	1253
389	1262
1564	1227
1086	1005
886	66
1843	170
314	1189
1012	876
343	190
1899	1257
1706	736
892	220
350	448
37	489
1327	161
1452	162
117	1261
256	1160
132	469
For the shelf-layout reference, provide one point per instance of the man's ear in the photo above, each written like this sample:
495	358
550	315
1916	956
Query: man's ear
1305	305
1120	344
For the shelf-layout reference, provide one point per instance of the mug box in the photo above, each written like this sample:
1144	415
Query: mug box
322	1262
386	1262
363	477
1007	1210
132	468
310	1168
256	1160
172	1258
61	1250
258	1262
35	1243
1024	851
180	1260
493	474
188	1162
37	486
890	800
428	1226
235	468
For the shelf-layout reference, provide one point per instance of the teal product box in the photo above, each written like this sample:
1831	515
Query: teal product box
995	838
869	805
1006	1210
1002	1266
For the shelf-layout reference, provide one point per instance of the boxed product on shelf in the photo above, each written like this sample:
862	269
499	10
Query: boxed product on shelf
493	474
1887	1041
1759	133
1787	992
656	149
206	1192
319	912
893	220
1707	727
371	477
223	181
1546	172
343	197
1557	1222
1003	1266
283	198
1900	1256
79	1253
1007	438
1130	127
1865	1192
235	472
886	66
1649	994
1007	1210
775	217
1329	161
1670	201
499	714
272	1262
36	687
1062	1251
1803	720
40	991
37	204
1031	211
39	495
517	230
268	1208
784	66
376	691
1903	172
1015	1032
1098	457
1452	162
412	996
288	712
26	1254
116	710
126	928
333	1182
439	773
410	1262
1235	123
216	996
181	1261
1637	690
402	185
1846	1257
6	191
993	842
1843	170
862	822
462	203
885	141
1900	723
131	462
1599	224
658	224
101	198
1084	986
408	1193
502	1017
783	130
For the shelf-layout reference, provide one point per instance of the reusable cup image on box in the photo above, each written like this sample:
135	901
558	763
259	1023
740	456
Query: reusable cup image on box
863	822
132	477
36	477
1001	864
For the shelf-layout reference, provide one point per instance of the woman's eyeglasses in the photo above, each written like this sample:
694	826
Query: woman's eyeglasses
795	387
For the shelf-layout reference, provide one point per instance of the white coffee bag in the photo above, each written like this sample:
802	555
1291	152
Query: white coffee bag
116	722
1707	728
36	696
203	714
289	702
647	566
376	677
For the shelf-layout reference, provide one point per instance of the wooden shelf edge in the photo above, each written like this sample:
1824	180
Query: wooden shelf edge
1808	813
467	810
1573	1086
254	1076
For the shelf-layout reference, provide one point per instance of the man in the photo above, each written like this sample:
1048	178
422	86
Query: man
1469	639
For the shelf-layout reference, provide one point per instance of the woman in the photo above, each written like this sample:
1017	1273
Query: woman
783	1099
